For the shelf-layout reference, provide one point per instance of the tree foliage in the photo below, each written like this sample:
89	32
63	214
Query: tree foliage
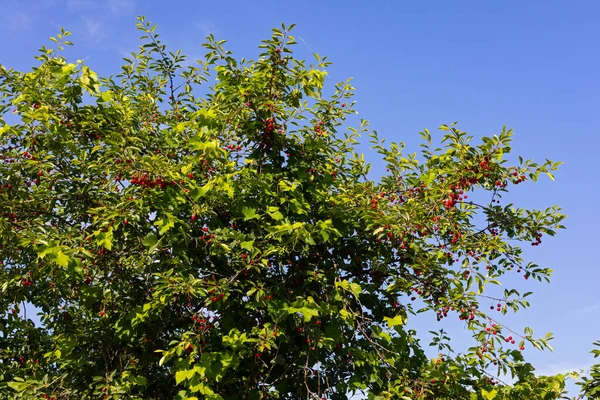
232	245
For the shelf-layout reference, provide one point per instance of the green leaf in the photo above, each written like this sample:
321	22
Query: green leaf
352	287
150	241
346	316
181	376
307	313
275	213
18	386
105	97
397	320
108	237
249	213
226	359
248	245
62	259
196	193
480	285
489	395
165	223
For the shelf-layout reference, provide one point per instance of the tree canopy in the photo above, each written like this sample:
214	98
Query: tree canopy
232	245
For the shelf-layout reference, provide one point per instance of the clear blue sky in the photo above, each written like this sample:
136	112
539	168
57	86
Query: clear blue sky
533	65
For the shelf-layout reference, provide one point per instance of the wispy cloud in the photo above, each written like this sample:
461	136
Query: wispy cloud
591	309
21	16
76	5
94	30
561	368
121	7
114	7
205	27
97	18
19	21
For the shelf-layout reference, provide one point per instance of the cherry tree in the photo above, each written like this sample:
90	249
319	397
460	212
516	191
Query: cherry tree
233	246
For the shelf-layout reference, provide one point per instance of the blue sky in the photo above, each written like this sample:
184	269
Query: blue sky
532	65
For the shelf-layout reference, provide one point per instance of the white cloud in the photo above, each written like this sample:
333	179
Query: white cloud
115	7
121	7
19	21
20	16
94	30
562	368
76	5
591	308
205	27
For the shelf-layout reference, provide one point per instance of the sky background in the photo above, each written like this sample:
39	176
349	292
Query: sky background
532	65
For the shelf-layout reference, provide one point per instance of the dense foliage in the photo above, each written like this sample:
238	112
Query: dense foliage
232	245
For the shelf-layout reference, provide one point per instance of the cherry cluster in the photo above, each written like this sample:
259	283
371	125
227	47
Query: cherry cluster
319	128
147	182
456	195
231	147
538	240
518	179
267	140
